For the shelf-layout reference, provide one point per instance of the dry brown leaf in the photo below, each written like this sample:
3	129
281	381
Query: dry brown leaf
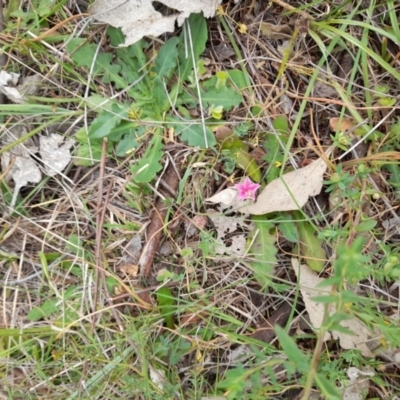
341	124
277	32
139	18
309	283
290	192
129	269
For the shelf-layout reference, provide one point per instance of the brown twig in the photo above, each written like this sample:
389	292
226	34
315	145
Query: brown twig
2	55
154	229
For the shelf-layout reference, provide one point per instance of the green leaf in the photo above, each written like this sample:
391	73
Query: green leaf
289	231
127	144
224	96
148	166
198	33
99	103
292	351
327	388
87	155
45	7
238	78
263	250
366	226
167	58
275	146
81	52
106	121
311	246
166	301
194	135
160	97
50	306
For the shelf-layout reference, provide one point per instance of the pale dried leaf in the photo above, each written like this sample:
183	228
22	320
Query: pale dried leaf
276	32
226	196
225	227
341	124
54	153
133	250
129	269
17	94
20	166
309	282
290	192
139	18
157	377
358	387
7	81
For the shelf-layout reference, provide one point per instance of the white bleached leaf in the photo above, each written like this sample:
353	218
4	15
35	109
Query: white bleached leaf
309	287
358	387
290	192
139	18
17	162
309	282
226	197
16	94
7	81
230	240
54	153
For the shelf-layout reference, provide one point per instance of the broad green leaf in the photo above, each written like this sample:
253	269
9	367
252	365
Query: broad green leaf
106	121
127	144
84	54
238	78
289	230
198	34
99	103
195	135
311	246
44	7
45	310
366	226
166	302
51	306
124	128
292	351
148	166
225	96
166	59
160	97
275	146
327	388
86	156
111	72
263	250
81	52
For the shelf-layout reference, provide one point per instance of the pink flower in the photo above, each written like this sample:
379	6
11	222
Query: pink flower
247	189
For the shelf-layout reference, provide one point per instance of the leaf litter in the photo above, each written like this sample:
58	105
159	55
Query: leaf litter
310	286
139	18
237	304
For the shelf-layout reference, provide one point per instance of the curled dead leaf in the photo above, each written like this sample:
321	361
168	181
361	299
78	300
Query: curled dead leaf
309	287
291	191
341	124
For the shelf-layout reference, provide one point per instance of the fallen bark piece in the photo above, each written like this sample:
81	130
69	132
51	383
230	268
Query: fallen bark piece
156	225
